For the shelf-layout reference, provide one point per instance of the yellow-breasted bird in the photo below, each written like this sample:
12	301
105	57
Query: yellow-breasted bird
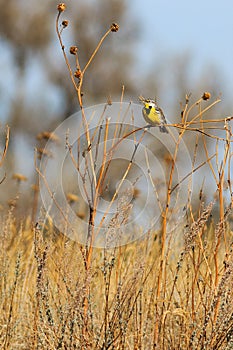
153	114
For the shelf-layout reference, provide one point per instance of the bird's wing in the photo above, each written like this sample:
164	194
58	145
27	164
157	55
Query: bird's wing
162	114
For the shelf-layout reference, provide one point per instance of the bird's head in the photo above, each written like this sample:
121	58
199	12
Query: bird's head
148	103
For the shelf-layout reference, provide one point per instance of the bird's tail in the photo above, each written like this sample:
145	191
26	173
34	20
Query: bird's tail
163	128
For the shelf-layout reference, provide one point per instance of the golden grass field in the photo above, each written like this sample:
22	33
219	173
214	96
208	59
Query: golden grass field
44	282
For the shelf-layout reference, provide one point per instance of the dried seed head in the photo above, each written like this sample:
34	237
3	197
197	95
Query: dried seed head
73	50
65	23
206	96
19	177
114	27
61	7
78	74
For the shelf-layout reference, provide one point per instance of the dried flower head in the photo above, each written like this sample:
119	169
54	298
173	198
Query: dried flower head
78	74
73	50
61	7
65	23
206	96
19	177
114	27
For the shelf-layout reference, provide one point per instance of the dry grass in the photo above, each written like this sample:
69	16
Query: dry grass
43	282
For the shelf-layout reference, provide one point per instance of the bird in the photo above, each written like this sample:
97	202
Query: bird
153	114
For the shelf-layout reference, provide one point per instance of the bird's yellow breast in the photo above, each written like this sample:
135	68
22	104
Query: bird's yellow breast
151	115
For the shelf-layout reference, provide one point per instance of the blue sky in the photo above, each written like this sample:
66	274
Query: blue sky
203	28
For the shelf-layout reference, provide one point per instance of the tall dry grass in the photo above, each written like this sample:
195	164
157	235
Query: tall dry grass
44	286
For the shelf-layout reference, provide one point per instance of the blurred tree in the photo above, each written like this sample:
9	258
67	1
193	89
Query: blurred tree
27	31
35	88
